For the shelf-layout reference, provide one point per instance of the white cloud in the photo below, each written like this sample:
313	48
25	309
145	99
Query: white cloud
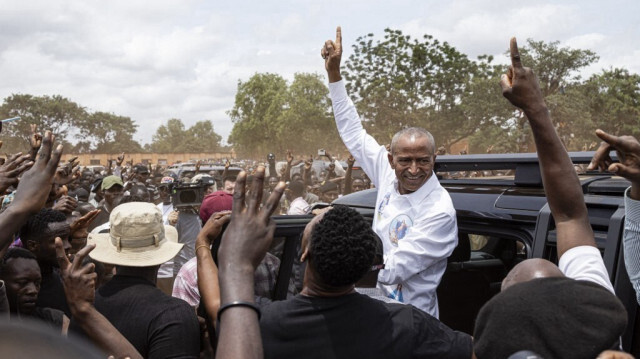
183	58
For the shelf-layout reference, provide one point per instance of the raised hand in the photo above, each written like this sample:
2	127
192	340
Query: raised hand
332	54
79	227
35	140
289	156
249	235
120	159
66	204
308	163
350	160
227	164
68	173
12	168
79	281
628	150
198	166
35	184
519	84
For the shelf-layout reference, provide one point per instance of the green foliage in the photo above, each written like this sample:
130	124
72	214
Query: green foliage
108	133
173	137
270	115
55	113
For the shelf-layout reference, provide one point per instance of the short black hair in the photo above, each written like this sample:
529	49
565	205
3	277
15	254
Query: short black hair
296	188
37	223
342	247
15	252
230	178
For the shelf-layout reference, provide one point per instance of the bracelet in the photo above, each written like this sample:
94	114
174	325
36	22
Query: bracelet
202	246
239	303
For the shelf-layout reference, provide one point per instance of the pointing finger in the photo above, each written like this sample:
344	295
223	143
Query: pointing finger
515	54
618	142
238	193
339	37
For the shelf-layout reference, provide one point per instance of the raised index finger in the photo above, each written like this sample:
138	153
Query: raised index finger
515	54
238	193
339	37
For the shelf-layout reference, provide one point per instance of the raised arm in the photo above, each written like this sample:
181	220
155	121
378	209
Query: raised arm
32	192
561	183
366	150
244	244
207	270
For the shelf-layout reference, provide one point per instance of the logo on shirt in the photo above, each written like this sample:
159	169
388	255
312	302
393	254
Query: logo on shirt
397	294
399	227
383	204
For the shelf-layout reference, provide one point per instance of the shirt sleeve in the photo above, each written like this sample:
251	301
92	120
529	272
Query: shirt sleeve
631	241
175	334
364	148
585	263
436	340
340	172
185	286
427	242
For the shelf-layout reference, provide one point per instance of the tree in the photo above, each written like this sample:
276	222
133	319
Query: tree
55	113
108	133
614	101
399	82
173	137
307	123
259	105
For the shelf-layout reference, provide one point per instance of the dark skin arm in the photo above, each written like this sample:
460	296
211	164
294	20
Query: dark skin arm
306	171
347	175
32	191
79	284
244	245
227	164
628	150
287	170
561	183
207	270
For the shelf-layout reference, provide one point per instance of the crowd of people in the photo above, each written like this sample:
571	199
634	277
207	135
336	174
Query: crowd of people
117	263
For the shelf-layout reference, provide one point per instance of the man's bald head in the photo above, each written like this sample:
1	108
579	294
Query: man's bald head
531	269
415	132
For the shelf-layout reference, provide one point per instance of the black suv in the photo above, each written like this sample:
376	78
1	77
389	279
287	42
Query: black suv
503	218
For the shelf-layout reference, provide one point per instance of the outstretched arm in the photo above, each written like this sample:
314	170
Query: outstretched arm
561	183
244	244
33	190
370	155
628	149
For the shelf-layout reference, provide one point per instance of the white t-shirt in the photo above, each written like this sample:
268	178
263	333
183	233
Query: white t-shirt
298	206
585	263
418	230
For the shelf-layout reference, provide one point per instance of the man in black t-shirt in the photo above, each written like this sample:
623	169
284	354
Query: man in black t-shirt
157	325
329	319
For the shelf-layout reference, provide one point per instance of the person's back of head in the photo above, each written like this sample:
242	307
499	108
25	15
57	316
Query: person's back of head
341	247
555	317
297	189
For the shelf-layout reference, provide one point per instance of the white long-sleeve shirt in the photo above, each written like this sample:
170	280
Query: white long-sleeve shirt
418	230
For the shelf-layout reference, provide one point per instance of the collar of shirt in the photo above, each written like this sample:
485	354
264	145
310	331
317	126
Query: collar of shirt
415	198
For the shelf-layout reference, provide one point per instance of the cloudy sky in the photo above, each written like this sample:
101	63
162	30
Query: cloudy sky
165	59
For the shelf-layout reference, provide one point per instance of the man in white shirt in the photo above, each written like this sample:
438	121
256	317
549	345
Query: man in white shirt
414	215
298	205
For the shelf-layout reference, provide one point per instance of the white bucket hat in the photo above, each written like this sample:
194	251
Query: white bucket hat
137	237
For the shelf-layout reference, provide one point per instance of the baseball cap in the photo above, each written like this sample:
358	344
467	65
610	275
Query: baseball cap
110	181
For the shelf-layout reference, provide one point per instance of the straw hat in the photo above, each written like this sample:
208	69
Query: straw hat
137	237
